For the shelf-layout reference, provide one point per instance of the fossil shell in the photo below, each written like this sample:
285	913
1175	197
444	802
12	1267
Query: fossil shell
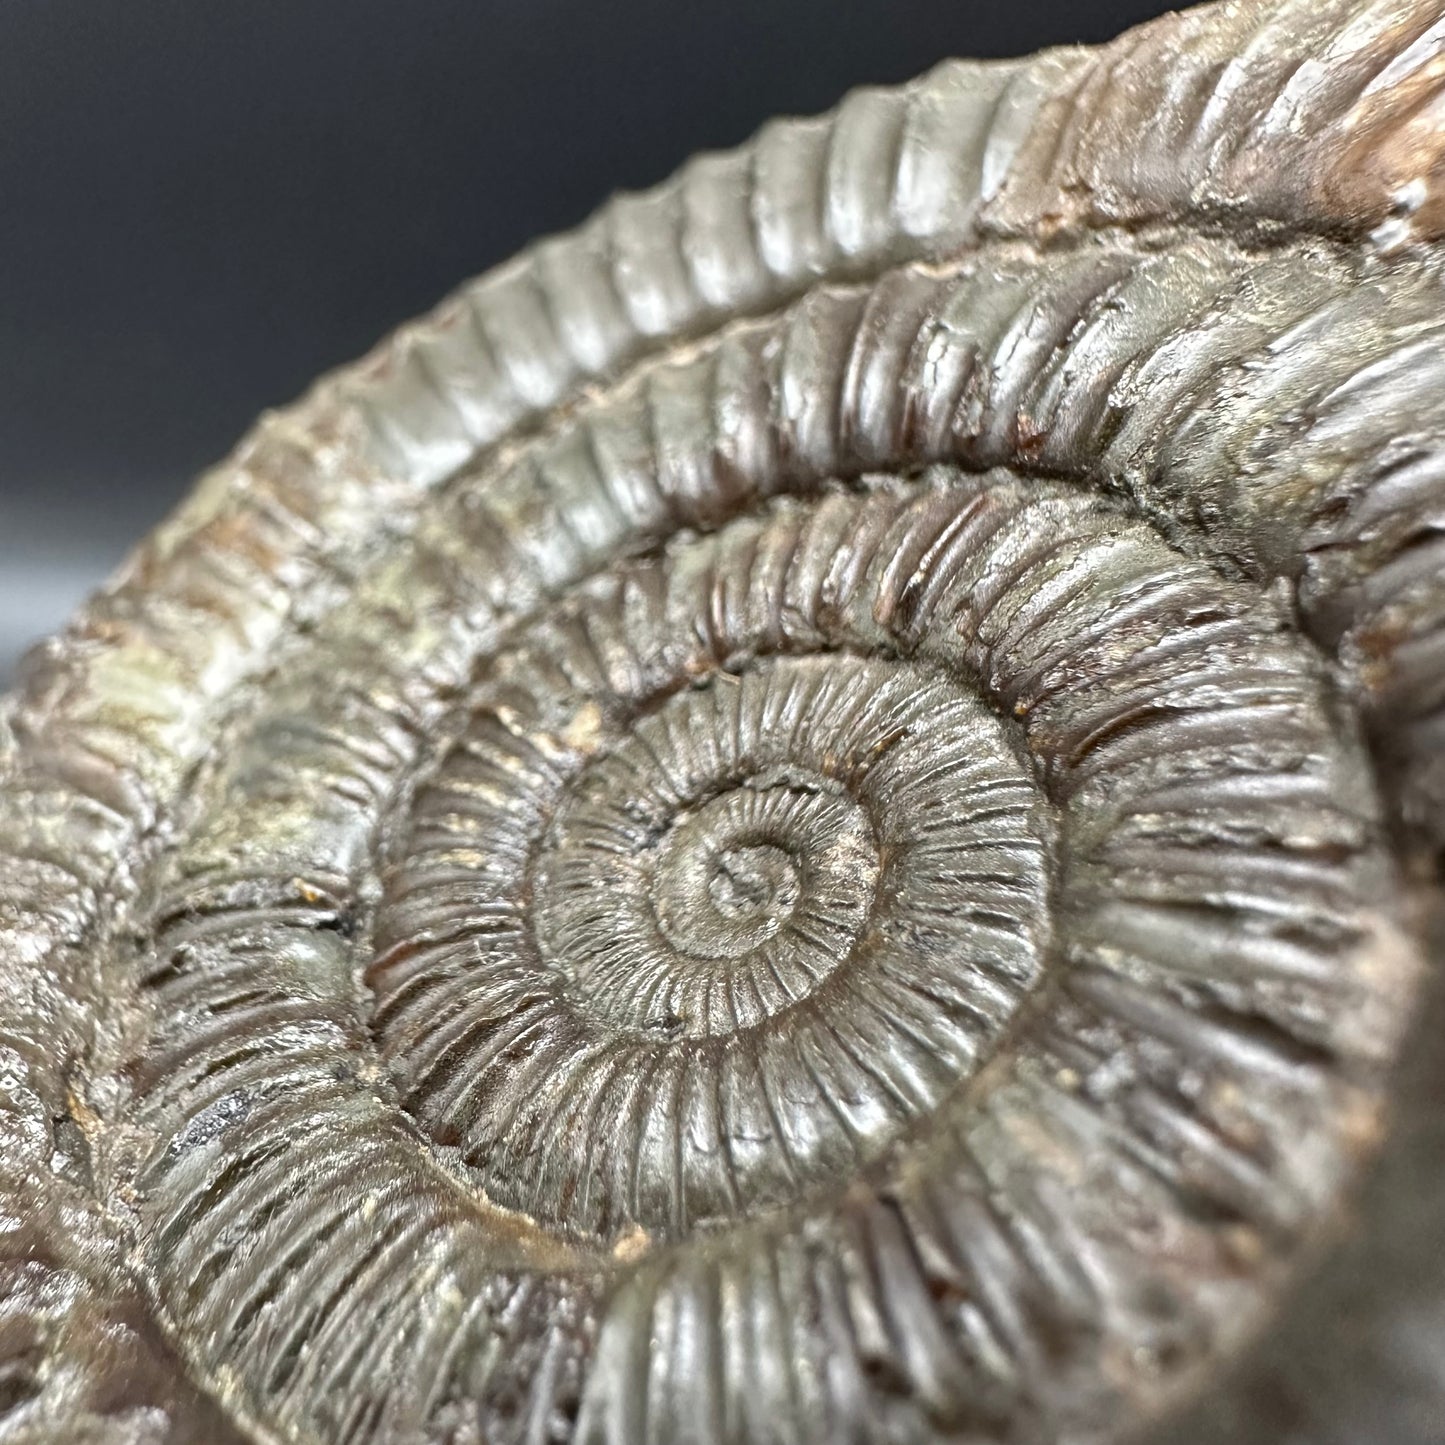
807	816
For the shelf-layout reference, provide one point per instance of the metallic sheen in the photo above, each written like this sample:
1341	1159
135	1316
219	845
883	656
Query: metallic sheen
809	815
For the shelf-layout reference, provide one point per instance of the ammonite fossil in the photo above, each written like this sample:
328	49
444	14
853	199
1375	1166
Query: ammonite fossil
810	815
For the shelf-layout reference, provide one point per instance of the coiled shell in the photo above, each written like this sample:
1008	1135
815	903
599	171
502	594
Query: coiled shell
807	816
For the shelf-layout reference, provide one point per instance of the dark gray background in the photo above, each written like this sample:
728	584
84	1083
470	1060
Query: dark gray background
204	205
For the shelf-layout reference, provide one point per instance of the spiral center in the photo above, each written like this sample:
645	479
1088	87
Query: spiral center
731	873
739	943
753	883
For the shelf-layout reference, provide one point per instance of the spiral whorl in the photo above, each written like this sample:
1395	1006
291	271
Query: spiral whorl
799	819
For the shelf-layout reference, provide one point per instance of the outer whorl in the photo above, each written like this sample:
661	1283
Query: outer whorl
805	817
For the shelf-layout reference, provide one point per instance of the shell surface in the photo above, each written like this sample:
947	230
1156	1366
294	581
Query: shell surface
806	816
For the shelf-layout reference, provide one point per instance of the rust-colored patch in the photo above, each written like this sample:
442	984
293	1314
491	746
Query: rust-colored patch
1388	171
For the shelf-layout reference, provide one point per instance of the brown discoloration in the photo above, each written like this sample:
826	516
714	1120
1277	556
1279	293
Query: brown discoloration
760	828
1199	112
1388	174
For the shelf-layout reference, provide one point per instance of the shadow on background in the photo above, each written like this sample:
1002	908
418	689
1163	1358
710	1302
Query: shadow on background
205	206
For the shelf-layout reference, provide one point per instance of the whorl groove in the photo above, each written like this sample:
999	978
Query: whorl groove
798	819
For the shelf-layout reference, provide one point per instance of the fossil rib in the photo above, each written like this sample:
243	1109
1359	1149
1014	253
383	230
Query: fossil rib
804	817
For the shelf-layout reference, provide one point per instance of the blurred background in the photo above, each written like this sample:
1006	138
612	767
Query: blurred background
204	206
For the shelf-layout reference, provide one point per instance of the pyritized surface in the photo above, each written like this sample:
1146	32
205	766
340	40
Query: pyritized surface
794	821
